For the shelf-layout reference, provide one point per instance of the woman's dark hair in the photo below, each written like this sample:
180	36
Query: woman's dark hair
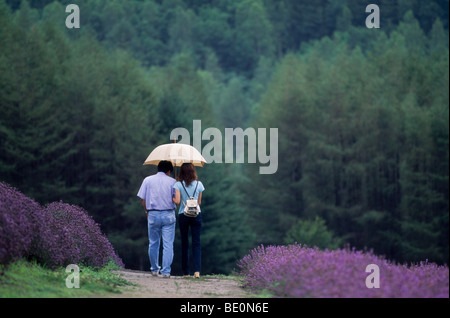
164	166
187	173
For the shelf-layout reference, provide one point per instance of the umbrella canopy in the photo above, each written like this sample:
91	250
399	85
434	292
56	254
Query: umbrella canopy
177	154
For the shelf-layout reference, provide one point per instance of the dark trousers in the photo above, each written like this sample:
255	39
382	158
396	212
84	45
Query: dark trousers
195	224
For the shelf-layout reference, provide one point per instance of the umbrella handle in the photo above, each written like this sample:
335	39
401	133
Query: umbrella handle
175	167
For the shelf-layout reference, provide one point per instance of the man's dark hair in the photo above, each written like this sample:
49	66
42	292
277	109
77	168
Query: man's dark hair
164	166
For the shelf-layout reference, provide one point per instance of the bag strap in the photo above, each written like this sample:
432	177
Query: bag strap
193	195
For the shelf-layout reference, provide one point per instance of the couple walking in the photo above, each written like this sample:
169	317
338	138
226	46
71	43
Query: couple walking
159	194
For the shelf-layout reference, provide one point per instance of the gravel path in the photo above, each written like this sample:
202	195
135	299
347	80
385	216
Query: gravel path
148	286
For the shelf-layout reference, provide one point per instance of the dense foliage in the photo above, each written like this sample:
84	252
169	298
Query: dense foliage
58	234
298	271
368	125
362	116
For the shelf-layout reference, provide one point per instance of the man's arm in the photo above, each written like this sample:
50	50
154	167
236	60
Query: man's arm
143	204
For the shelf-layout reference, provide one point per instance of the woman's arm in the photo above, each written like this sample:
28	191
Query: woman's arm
177	197
199	198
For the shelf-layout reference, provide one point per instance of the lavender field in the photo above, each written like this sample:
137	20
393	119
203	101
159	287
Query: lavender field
299	271
54	235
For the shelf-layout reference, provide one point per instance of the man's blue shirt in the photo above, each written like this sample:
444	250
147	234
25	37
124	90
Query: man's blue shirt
157	191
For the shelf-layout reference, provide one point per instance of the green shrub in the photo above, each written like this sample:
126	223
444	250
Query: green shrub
312	233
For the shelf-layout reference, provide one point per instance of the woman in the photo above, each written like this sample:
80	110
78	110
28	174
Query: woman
188	186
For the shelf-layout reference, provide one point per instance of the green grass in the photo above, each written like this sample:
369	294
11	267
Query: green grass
24	279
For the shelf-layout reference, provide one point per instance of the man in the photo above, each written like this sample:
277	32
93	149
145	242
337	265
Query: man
156	194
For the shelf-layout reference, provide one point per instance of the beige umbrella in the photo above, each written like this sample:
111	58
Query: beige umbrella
177	154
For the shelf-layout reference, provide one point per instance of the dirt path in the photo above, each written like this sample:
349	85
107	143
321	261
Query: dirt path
149	286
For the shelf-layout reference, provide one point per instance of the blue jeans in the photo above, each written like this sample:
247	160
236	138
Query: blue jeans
161	224
195	224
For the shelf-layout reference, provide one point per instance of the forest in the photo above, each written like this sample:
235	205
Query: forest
362	117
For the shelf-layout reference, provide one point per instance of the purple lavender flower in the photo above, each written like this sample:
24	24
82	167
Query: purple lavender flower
78	238
55	235
16	228
297	271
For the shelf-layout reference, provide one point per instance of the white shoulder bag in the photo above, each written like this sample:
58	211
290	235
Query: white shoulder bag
191	207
